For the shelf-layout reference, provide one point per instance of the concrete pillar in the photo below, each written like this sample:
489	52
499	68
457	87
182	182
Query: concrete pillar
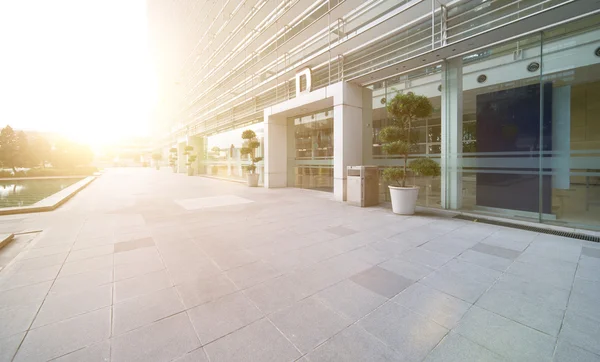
181	158
452	134
348	128
275	150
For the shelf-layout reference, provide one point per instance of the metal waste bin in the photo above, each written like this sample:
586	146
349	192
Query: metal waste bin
362	186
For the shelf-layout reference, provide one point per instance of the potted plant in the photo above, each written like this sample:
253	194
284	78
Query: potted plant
400	139
249	148
191	158
173	158
157	157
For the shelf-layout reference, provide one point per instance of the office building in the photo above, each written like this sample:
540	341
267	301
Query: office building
515	87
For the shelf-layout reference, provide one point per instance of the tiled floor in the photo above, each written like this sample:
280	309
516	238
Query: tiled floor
147	265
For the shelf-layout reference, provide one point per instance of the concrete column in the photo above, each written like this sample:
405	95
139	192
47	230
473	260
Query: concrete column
181	158
348	128
452	134
561	137
275	150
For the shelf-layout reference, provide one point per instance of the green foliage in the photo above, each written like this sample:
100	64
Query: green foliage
188	148
400	138
215	149
425	167
248	134
173	150
249	149
393	175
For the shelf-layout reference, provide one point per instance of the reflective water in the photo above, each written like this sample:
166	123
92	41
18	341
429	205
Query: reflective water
28	192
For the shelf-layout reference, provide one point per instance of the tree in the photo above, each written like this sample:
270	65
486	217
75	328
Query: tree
68	154
400	138
14	149
40	151
249	149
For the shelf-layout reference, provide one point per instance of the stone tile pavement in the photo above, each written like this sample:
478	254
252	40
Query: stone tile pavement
146	265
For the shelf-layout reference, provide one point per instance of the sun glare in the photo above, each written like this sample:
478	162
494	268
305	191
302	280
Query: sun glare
77	68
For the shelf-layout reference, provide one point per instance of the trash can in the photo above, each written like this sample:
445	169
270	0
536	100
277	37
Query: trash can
362	186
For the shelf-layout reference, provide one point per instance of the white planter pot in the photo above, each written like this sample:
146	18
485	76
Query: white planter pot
404	199
252	179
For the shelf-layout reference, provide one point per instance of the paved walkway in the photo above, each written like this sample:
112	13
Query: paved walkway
146	265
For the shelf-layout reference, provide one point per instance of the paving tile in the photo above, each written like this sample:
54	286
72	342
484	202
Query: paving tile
353	344
510	339
82	281
251	274
411	335
104	262
536	292
452	246
382	281
230	259
142	255
351	242
29	277
141	285
133	245
530	312
91	252
455	348
41	262
588	273
145	309
248	345
407	269
46	251
276	294
164	340
308	323
17	319
456	285
67	305
591	252
223	316
202	290
558	274
390	247
495	250
9	345
58	339
341	230
440	307
485	260
508	243
186	272
197	355
425	257
350	299
580	330
369	255
30	294
127	271
554	250
344	265
99	352
567	352
471	271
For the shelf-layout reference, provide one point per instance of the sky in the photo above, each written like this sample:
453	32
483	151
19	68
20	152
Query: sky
76	67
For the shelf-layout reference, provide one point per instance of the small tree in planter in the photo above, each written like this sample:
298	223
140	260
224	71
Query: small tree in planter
399	139
191	158
157	157
173	158
250	146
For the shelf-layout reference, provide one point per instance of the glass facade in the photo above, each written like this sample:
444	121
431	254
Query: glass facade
222	157
312	164
516	127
